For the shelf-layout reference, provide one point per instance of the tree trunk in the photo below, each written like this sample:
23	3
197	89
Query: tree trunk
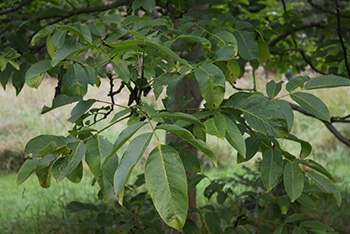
189	90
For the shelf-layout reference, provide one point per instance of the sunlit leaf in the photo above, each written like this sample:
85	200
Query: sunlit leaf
167	185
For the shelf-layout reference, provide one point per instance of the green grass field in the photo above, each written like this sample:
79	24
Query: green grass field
30	209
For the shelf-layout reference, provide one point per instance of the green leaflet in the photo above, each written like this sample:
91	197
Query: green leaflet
196	39
59	101
148	5
326	81
75	81
261	114
42	33
315	166
263	50
124	136
296	82
317	226
225	54
80	109
26	170
131	156
252	146
188	137
168	52
36	73
216	126
44	144
167	185
247	45
121	69
273	88
149	23
43	170
64	52
326	185
287	110
226	38
77	174
97	149
211	82
234	137
67	164
86	33
177	116
312	104
306	147
231	70
271	168
58	38
293	180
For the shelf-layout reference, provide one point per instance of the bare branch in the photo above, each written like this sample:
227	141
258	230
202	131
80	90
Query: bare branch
329	125
302	53
293	30
314	5
4	12
341	39
77	11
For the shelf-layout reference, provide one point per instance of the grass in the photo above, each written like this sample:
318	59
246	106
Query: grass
29	209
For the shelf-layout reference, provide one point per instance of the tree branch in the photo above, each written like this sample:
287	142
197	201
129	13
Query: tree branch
90	9
293	30
329	125
325	10
302	53
4	12
341	39
77	11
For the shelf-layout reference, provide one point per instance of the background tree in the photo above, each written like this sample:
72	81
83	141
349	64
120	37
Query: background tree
175	49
